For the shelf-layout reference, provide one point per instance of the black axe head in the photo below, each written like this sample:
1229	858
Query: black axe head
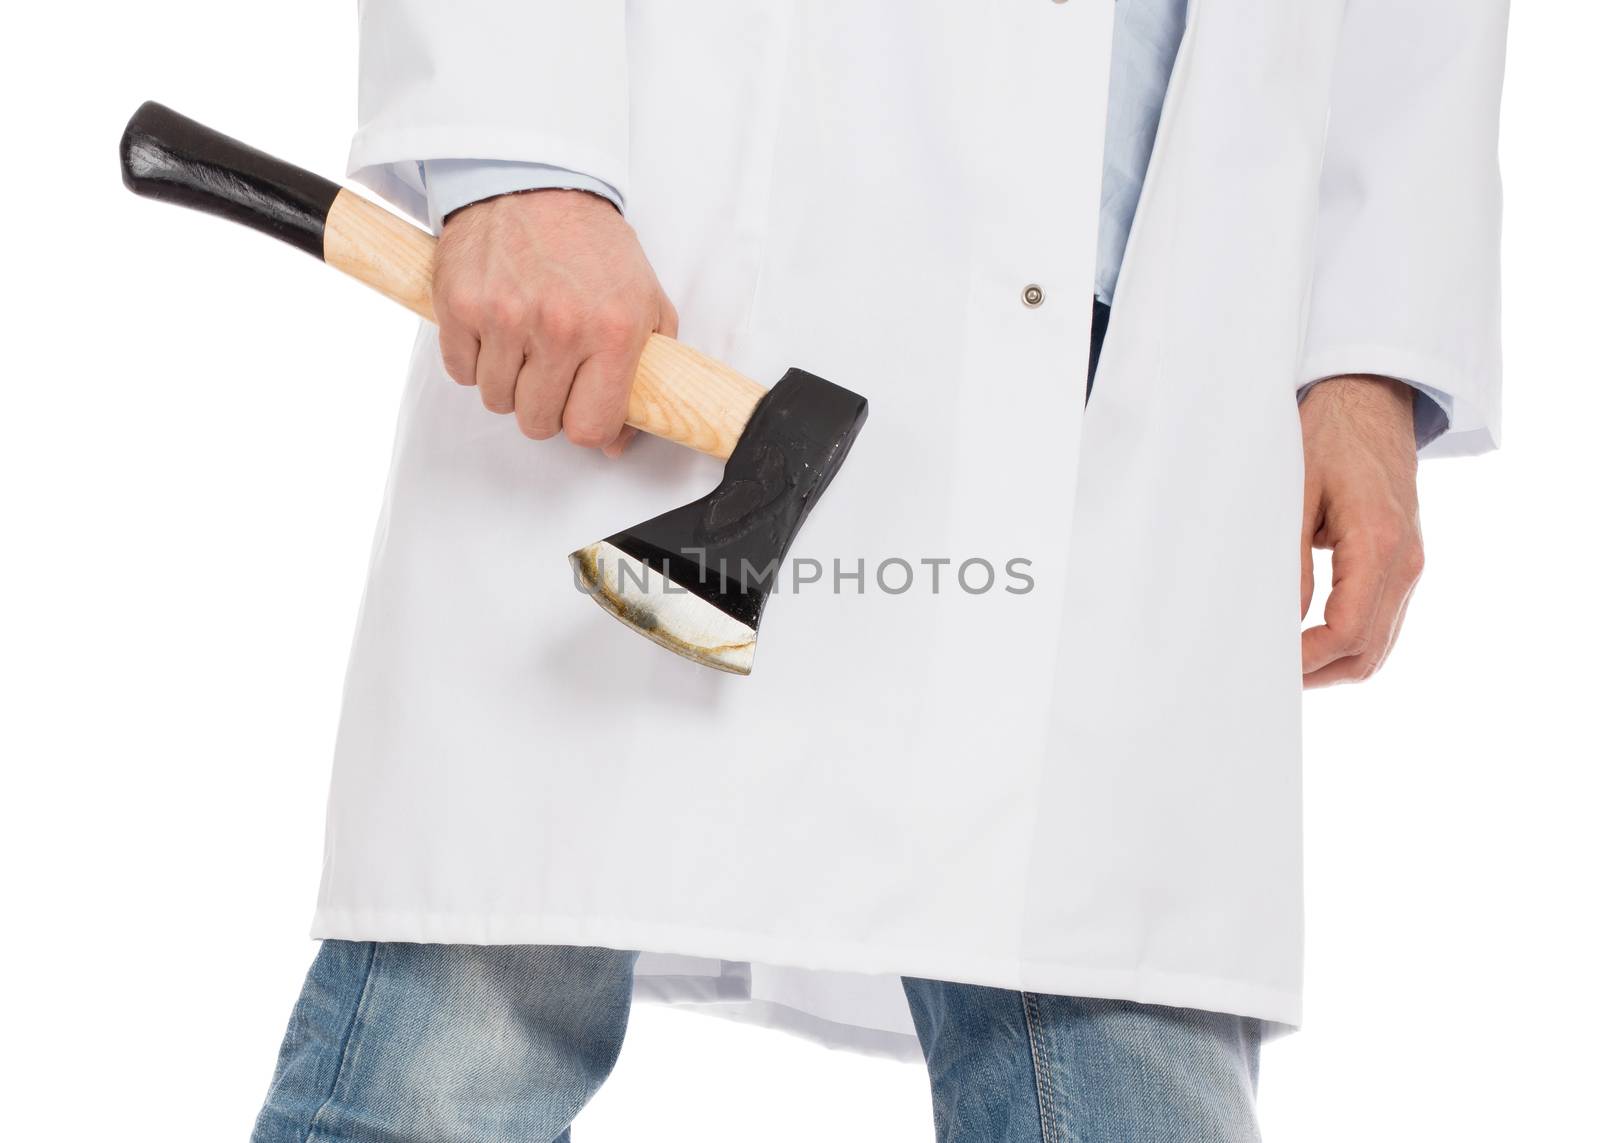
696	579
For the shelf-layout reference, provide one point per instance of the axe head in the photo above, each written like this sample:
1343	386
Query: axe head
696	579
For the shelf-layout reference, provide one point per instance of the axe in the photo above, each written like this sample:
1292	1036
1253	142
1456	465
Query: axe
695	579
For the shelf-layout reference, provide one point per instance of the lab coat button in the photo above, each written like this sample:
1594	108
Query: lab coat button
1032	297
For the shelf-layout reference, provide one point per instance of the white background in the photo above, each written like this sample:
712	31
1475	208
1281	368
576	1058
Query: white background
194	429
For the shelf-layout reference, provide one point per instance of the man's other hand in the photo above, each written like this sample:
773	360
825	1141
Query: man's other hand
545	301
1361	501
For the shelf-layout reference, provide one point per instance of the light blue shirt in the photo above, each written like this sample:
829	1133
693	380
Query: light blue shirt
1144	45
455	183
1144	48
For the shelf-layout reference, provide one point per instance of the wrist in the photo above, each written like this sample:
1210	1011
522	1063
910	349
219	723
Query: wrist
1379	404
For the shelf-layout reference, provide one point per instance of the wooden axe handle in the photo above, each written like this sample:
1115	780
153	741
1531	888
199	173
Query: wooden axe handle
678	393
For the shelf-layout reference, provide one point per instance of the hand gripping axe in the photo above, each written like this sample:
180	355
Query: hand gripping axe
694	579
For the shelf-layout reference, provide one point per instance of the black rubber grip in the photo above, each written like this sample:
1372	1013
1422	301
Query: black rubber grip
170	157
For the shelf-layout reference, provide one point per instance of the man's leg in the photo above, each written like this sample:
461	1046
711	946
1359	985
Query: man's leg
1021	1067
409	1043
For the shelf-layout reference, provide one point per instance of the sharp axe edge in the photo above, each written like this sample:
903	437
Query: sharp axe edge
670	616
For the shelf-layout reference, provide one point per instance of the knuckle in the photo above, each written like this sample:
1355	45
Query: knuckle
558	322
498	403
616	326
507	312
459	307
1412	562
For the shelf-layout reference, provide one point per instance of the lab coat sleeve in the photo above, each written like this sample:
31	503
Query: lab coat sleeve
542	81
1407	280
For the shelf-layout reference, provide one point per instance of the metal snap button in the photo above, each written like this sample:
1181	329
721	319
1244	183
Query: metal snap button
1032	297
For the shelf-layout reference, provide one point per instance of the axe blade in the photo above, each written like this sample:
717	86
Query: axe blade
696	579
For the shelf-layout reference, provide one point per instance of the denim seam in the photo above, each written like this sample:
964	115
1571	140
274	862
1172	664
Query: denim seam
1044	1089
344	1046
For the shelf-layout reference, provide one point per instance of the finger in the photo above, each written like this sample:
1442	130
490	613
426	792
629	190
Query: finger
667	326
1356	668
1391	615
458	348
542	389
1399	622
1351	613
1308	580
598	404
1404	572
1351	670
499	362
624	438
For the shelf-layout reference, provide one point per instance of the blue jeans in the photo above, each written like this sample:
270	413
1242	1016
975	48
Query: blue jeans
407	1043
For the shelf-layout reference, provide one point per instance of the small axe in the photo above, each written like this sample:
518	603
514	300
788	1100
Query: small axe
695	579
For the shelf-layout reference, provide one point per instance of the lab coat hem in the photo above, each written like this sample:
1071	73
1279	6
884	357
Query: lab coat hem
819	1030
733	997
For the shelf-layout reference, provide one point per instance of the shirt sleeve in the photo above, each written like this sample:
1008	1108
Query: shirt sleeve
454	183
1407	278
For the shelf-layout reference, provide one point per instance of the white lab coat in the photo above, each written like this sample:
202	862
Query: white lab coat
1092	787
